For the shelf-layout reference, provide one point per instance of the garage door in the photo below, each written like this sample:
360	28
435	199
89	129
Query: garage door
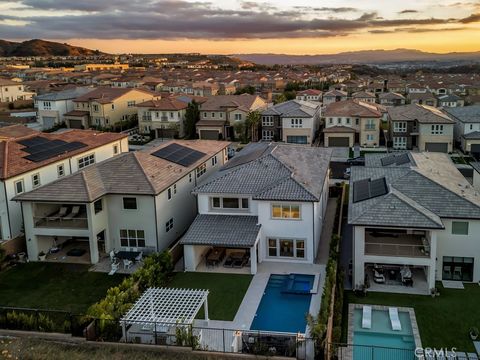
209	134
436	147
475	148
339	141
75	124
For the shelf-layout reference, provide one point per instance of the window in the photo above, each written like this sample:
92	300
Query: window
113	106
267	121
399	142
284	211
98	206
86	161
169	225
296	139
370	137
204	114
229	203
190	177
47	105
289	248
130	203
213	115
330	121
36	180
60	170
267	134
129	104
457	268
238	117
437	129
202	169
132	238
169	193
95	108
19	188
296	123
399	126
459	227
348	120
357	121
370	125
214	160
115	149
174	189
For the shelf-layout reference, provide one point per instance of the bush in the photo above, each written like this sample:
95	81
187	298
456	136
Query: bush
29	322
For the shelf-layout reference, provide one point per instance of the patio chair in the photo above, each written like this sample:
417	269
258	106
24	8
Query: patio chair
75	211
58	215
114	268
228	262
457	271
378	278
112	256
139	257
446	271
127	264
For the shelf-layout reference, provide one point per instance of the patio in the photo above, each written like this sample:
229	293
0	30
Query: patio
71	251
394	284
104	265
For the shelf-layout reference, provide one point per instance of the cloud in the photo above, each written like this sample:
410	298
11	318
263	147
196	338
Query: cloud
408	11
179	19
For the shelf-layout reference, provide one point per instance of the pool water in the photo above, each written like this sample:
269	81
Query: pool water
381	342
282	311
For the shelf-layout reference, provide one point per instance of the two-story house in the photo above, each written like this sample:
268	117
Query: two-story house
391	99
364	96
138	200
267	204
310	95
31	159
104	106
422	98
11	91
450	100
219	114
293	121
420	126
348	122
334	96
52	107
467	127
415	221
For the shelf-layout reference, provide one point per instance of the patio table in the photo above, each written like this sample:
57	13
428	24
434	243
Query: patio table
128	255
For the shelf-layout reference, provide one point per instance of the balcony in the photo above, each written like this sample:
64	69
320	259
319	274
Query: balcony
396	244
60	217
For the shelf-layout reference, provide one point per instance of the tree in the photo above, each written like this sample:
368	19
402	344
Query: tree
249	89
253	122
279	99
192	115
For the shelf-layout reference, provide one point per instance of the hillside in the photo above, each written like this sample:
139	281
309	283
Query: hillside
360	57
38	47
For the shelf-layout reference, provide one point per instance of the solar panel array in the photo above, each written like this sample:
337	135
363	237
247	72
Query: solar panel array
402	159
40	148
388	160
368	189
179	154
395	159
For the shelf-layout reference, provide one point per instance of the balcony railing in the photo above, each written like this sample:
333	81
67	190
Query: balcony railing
402	245
80	222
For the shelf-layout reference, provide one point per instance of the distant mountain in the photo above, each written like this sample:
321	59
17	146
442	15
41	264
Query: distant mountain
359	57
38	47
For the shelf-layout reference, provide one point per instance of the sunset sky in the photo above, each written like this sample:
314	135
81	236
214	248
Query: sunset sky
229	26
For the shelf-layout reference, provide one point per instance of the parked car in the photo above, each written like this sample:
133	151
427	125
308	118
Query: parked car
357	161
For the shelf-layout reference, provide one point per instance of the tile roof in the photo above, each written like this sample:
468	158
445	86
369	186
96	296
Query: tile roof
64	94
352	108
293	108
422	113
135	173
338	129
13	163
220	102
230	230
466	114
273	172
164	104
106	95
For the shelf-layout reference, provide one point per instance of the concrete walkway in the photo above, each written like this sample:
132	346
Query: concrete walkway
324	247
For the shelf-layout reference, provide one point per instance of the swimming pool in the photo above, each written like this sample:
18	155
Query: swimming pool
380	341
281	309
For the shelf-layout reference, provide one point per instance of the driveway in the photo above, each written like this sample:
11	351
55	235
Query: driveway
338	168
340	153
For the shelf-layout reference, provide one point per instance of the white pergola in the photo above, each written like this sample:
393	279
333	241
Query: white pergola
166	307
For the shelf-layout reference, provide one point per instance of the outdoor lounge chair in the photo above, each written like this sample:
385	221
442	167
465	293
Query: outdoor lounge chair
114	268
228	262
367	317
378	277
394	319
58	215
139	257
75	211
127	264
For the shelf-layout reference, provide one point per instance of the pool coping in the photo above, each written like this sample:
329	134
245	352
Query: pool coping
352	307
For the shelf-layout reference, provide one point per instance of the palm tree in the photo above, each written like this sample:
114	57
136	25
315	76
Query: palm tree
253	122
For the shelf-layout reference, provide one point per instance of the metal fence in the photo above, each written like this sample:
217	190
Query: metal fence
370	352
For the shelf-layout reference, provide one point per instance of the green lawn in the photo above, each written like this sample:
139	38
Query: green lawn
226	291
443	321
69	287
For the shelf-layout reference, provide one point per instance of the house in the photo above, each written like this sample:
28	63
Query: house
348	122
467	127
391	99
220	114
450	100
310	95
415	220
422	98
268	203
165	117
420	126
105	107
31	159
293	121
333	96
11	91
101	67
364	96
53	106
139	200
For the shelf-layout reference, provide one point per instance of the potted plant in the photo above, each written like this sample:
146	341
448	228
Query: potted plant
42	256
433	292
473	333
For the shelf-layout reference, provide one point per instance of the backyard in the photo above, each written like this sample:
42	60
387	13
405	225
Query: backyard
69	287
226	291
444	322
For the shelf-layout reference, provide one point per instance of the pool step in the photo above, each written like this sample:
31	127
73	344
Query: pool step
408	339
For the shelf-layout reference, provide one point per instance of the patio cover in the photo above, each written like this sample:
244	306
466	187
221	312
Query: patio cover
167	307
223	230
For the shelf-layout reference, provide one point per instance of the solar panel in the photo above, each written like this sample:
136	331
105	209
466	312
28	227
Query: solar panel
402	159
360	190
51	148
179	154
388	160
378	187
33	141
